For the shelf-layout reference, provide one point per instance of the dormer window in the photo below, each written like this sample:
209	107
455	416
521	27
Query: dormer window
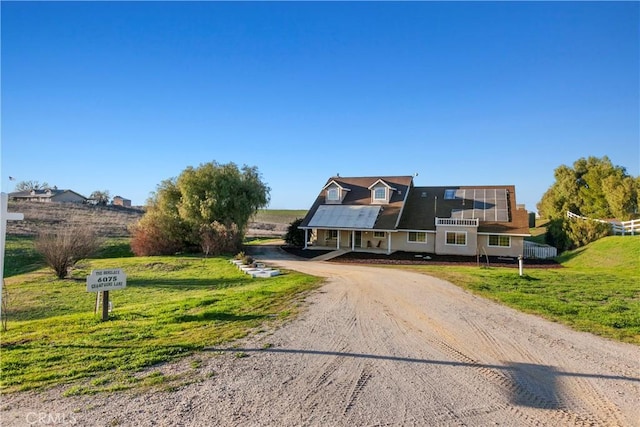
335	193
380	194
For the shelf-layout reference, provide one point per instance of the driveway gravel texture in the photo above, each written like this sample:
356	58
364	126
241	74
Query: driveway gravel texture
376	347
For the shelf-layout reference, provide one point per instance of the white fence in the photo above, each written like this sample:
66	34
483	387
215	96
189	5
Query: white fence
538	251
626	227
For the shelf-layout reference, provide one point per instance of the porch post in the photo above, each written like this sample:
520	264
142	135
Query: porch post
388	243
306	237
338	239
353	240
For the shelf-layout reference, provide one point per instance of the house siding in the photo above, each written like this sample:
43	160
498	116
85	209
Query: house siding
470	248
400	242
516	247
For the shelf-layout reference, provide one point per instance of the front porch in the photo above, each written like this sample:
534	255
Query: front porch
353	240
346	249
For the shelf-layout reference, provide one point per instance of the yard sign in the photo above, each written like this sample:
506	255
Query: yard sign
103	281
4	217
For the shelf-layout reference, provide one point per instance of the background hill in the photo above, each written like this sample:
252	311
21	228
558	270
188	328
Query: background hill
114	221
111	221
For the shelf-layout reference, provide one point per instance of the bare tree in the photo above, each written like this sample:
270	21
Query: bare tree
64	247
101	197
31	185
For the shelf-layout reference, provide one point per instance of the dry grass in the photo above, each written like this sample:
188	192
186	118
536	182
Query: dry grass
114	221
110	221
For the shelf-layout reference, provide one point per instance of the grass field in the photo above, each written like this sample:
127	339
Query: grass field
171	307
597	291
279	216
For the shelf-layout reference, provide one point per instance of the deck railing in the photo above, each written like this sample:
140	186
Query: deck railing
469	222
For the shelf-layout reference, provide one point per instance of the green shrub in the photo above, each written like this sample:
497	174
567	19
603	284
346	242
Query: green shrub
572	233
295	236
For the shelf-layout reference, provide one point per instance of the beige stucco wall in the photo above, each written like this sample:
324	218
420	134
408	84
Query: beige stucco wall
516	248
442	248
400	242
435	243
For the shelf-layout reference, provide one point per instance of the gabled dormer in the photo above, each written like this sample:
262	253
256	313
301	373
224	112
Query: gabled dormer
381	192
334	193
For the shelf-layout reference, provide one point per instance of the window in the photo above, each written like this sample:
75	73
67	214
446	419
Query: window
379	234
417	237
458	238
449	194
379	193
331	234
332	194
497	240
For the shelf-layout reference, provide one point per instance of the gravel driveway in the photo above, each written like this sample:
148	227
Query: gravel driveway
380	347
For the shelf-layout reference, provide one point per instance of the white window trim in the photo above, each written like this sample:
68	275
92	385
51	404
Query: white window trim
417	241
337	193
455	232
498	236
382	236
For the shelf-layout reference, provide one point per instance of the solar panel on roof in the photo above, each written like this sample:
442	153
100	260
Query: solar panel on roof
488	204
332	216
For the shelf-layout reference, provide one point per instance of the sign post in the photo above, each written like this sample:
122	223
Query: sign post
4	217
105	281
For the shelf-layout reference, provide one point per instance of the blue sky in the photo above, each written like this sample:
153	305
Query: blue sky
119	96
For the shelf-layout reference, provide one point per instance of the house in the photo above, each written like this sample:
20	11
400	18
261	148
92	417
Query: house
388	214
48	195
121	201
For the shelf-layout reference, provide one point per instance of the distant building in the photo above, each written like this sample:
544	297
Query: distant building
48	195
121	201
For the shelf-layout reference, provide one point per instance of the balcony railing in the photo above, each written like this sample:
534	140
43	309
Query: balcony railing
469	222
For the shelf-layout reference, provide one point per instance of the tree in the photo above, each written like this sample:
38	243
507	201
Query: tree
571	233
63	248
217	238
31	185
183	210
594	188
101	197
295	236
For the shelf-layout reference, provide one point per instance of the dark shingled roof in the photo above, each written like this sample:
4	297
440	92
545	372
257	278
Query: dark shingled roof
424	204
360	194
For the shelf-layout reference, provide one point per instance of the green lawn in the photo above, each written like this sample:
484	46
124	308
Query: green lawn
171	307
597	290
